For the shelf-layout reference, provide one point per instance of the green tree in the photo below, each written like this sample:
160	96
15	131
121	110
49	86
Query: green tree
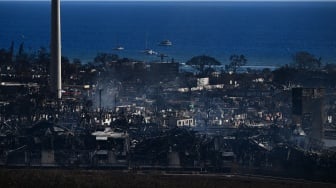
306	61
236	61
200	62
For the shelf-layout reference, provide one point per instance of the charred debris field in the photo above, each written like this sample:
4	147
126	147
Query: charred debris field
153	118
107	178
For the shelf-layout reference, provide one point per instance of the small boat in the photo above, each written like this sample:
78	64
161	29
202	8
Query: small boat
150	52
166	43
119	48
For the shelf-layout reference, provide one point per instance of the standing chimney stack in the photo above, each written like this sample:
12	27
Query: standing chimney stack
55	50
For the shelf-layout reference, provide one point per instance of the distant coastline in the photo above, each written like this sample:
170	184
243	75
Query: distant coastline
266	33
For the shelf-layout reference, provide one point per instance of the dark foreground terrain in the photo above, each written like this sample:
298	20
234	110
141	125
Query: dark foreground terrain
88	178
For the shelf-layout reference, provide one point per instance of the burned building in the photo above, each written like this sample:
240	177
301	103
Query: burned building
308	111
164	70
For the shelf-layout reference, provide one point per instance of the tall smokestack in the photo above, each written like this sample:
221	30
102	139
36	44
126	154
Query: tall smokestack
55	49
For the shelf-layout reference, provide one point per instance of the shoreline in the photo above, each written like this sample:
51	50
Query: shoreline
253	62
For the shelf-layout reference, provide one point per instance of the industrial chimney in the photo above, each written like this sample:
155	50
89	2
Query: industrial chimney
55	50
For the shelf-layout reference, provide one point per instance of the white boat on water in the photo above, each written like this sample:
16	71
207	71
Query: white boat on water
119	48
150	52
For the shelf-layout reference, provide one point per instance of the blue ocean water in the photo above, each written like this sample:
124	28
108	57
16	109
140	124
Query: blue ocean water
267	33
